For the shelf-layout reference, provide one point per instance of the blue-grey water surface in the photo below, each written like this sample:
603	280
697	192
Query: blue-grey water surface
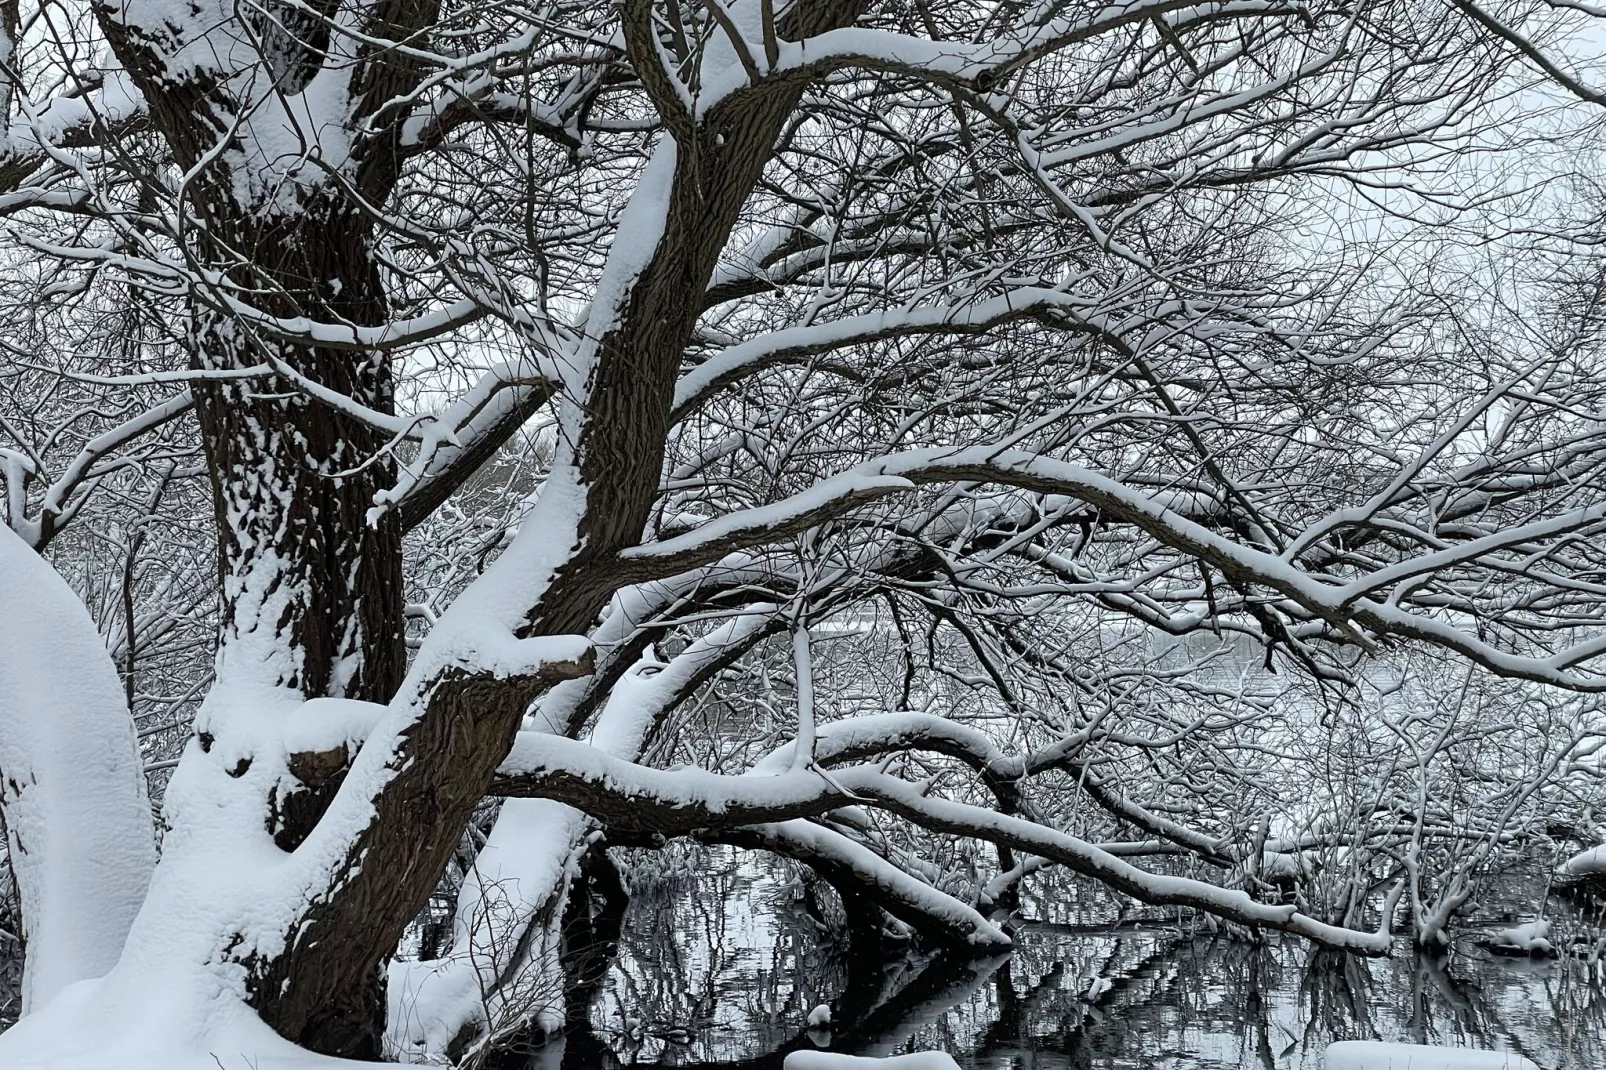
720	960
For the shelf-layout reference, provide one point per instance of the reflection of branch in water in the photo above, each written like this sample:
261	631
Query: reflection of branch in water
1333	988
1430	976
1257	1018
1178	976
1218	985
592	927
1018	1010
943	984
1336	990
1170	993
1015	1010
1435	966
1578	1001
1486	1023
1011	1032
709	992
871	977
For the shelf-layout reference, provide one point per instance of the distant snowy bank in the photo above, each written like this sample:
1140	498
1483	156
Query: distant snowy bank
830	1060
1378	1055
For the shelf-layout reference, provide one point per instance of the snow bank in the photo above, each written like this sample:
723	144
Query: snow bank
99	1025
503	966
72	786
1377	1055
429	1002
830	1060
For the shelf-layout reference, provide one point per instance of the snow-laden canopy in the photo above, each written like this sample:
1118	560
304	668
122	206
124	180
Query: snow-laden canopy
1153	443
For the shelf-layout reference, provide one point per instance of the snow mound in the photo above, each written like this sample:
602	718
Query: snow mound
1377	1055
819	1016
1530	939
320	725
72	786
96	1025
830	1060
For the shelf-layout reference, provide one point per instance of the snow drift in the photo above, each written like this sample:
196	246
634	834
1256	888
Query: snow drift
72	789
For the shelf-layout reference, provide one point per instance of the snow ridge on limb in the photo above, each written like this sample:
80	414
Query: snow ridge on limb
945	62
859	739
904	896
72	790
797	344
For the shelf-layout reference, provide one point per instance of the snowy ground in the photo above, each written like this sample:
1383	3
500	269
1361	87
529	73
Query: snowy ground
100	1025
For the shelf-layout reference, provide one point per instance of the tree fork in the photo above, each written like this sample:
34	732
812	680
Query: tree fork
324	991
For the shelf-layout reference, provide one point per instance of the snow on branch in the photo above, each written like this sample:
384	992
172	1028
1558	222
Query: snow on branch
711	541
1340	603
960	63
855	867
681	801
860	739
480	422
797	344
70	490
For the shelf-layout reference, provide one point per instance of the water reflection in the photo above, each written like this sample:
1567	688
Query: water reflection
720	960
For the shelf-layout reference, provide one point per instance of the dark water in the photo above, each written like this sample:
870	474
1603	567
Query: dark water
720	961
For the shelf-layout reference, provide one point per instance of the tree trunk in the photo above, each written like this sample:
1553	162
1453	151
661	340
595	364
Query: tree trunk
294	479
312	592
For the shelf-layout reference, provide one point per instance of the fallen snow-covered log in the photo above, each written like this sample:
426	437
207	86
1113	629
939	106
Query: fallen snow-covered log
1531	940
1584	872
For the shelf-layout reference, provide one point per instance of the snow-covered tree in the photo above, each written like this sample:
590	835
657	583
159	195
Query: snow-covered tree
653	345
